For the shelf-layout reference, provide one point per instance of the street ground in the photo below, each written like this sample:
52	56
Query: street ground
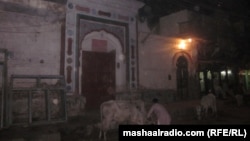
78	128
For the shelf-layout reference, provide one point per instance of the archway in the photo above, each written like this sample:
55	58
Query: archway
102	68
182	78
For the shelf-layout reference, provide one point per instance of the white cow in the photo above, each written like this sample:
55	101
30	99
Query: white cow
207	102
115	112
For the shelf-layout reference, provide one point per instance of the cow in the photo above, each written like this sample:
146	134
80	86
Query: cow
115	112
207	102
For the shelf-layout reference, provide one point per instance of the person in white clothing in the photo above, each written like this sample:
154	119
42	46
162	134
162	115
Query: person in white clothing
161	113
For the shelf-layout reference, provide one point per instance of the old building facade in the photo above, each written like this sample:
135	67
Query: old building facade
168	60
66	39
101	49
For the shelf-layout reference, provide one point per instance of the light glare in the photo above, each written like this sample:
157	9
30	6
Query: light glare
182	44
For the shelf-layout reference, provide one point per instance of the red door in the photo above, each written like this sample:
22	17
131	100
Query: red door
98	77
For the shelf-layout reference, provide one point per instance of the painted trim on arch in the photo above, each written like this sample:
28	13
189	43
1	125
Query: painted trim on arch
178	54
187	56
125	46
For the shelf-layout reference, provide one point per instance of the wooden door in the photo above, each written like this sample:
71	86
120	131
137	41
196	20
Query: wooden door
98	77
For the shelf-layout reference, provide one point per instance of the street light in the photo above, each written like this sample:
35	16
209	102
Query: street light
184	43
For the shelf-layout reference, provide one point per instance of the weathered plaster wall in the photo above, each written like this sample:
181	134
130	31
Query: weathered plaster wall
31	31
169	25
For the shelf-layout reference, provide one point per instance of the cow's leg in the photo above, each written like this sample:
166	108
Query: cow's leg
215	110
206	112
203	112
105	135
199	112
101	129
100	134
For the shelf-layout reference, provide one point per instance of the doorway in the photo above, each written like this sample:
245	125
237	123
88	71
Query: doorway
182	78
98	77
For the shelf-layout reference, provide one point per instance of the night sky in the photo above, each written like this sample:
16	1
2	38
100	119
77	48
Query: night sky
237	8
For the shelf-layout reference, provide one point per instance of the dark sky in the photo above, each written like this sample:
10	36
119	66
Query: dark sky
235	8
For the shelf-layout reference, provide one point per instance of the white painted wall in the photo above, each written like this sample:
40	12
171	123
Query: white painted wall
155	62
169	25
158	53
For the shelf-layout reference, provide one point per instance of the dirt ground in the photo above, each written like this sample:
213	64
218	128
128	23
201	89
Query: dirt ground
76	129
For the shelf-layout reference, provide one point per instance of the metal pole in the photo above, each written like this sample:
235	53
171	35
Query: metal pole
2	100
30	106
